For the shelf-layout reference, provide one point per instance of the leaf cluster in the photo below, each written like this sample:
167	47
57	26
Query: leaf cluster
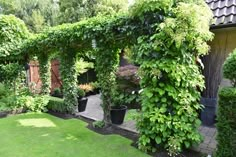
229	68
226	116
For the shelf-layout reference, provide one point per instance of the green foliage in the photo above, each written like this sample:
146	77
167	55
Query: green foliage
229	68
9	73
57	105
226	116
21	99
171	80
4	107
83	66
77	10
125	97
127	87
69	79
57	91
33	103
7	7
37	14
169	36
109	7
132	115
98	124
95	85
3	91
12	34
45	73
80	92
107	78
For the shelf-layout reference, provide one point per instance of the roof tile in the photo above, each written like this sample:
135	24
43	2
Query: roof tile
224	11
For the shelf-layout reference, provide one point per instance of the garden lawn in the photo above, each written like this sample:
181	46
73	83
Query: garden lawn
43	135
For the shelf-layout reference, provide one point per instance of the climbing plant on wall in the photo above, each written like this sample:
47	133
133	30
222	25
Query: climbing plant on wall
13	33
45	72
168	36
69	78
107	78
171	79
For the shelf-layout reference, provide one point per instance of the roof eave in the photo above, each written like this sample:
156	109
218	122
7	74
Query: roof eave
222	26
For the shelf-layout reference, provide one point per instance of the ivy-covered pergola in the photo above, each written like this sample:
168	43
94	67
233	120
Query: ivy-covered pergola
168	37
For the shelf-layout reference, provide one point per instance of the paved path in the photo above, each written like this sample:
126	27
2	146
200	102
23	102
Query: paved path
94	111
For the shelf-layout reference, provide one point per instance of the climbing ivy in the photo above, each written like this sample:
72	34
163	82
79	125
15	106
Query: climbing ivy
171	79
45	73
69	78
107	78
13	32
168	38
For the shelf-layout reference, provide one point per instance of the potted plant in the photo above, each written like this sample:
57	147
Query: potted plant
118	110
96	87
82	101
87	88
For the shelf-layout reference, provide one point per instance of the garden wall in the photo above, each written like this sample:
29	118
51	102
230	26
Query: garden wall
34	76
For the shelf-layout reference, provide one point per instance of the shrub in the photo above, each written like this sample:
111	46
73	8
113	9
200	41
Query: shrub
34	104
229	68
86	87
3	90
57	105
57	91
126	97
226	117
129	75
127	87
4	107
80	92
98	124
95	85
83	66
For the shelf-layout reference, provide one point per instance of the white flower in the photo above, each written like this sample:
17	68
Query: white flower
140	91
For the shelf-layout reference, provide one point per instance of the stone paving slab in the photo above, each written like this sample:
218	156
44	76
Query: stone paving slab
93	109
94	112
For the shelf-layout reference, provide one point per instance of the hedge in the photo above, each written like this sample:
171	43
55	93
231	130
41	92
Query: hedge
57	105
226	124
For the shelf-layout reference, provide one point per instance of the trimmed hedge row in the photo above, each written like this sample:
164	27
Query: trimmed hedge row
57	105
226	125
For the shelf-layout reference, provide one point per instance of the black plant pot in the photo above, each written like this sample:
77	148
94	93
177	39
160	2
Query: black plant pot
82	103
208	113
118	114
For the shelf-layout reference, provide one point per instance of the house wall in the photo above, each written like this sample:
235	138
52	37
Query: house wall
222	45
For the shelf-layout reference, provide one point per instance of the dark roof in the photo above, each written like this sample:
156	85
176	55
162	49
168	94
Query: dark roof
224	12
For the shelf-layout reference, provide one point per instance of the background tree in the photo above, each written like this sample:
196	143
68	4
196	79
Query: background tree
6	7
36	14
76	10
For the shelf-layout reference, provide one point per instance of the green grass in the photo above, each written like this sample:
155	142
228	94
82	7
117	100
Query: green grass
131	115
43	135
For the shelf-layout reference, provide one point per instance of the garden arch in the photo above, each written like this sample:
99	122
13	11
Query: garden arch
168	35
